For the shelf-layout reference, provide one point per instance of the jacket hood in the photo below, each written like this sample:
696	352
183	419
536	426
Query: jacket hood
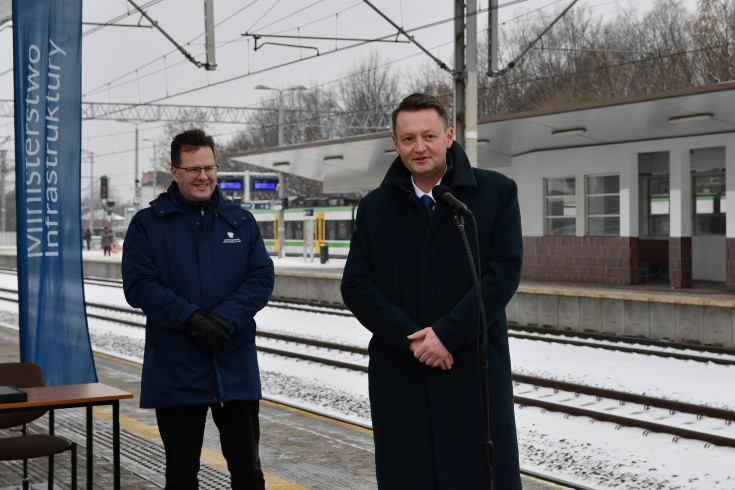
459	174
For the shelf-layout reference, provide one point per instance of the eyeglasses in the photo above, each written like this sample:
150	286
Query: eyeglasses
195	171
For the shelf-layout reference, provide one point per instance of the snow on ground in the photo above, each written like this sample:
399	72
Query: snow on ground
320	326
603	456
691	382
596	454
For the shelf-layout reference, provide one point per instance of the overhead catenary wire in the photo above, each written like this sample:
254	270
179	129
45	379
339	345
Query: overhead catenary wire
292	14
180	48
163	57
571	73
525	81
135	72
533	43
556	76
325	38
108	86
113	22
248	73
298	121
422	27
263	70
439	62
504	84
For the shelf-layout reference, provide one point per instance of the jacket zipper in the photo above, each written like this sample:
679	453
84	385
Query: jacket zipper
220	387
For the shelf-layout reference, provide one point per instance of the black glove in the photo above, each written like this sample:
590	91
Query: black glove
221	322
209	332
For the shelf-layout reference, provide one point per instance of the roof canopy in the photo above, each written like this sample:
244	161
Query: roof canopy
359	163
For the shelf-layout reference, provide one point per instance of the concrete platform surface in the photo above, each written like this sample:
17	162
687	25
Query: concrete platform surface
298	450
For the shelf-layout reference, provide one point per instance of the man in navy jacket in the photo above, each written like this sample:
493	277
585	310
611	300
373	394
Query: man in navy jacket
196	265
407	280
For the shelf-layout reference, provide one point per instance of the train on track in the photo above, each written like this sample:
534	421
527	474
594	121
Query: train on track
316	226
320	223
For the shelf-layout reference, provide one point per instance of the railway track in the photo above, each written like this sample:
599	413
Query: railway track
726	356
599	404
706	353
623	343
630	345
687	352
709	353
640	411
621	408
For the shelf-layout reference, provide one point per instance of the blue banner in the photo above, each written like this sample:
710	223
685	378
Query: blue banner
47	37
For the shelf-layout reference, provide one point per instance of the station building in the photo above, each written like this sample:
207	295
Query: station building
622	192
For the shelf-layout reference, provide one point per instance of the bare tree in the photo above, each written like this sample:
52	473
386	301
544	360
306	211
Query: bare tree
667	40
429	78
317	114
263	125
370	88
585	58
713	34
241	142
582	58
618	54
311	117
301	123
193	118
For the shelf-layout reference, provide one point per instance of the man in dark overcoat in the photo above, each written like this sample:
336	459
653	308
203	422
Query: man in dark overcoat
407	279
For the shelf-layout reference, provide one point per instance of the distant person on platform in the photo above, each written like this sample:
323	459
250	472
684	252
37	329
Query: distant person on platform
87	235
107	240
195	263
407	280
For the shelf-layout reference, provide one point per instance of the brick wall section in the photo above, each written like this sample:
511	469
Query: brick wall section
730	264
680	262
589	259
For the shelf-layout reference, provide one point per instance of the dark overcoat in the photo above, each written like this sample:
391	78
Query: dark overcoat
179	257
406	271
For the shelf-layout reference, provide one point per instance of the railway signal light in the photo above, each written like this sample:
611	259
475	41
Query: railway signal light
103	187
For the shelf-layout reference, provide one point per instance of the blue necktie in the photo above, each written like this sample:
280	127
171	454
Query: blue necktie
429	203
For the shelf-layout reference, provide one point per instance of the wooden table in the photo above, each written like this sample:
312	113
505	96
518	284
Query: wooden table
81	395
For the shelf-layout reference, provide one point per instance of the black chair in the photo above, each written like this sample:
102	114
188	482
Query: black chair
29	446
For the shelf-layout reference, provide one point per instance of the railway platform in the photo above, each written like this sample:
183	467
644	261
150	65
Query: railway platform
299	450
703	314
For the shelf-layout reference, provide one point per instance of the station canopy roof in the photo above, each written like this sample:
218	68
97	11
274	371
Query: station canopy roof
358	164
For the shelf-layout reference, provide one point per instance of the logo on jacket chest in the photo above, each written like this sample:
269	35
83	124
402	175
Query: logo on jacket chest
231	238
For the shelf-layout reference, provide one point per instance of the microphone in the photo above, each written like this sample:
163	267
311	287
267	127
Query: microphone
446	194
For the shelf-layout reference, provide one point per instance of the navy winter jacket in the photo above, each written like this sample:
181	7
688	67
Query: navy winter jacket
179	257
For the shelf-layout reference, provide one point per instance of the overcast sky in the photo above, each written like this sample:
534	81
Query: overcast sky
139	65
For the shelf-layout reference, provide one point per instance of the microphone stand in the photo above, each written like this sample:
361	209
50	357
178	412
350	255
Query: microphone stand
482	335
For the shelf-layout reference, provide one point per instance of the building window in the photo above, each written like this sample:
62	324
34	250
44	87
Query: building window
710	205
561	206
603	205
658	206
